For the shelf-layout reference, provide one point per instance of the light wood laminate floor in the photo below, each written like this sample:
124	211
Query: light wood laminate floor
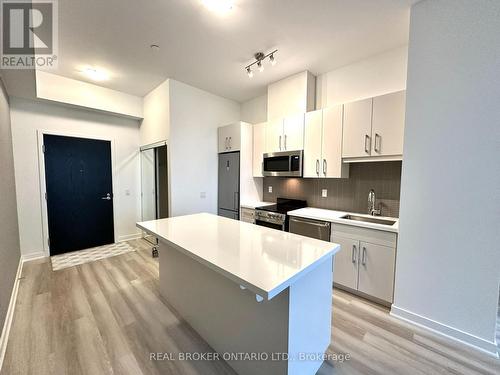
106	317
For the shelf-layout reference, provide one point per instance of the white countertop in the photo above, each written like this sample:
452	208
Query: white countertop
335	217
254	204
265	261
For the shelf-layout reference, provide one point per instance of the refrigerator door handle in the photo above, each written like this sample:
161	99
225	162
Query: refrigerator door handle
236	199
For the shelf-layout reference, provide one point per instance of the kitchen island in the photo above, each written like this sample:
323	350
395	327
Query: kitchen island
260	297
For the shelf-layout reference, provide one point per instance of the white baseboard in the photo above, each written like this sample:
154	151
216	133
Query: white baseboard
129	237
488	347
33	256
10	313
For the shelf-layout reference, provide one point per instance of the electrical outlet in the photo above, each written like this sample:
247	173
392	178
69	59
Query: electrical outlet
270	189
203	194
127	192
324	193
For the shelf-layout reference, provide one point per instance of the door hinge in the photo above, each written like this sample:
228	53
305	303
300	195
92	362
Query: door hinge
43	149
48	241
45	195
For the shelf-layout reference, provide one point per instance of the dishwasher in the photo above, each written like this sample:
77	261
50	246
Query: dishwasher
310	228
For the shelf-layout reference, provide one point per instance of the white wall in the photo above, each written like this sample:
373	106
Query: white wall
254	111
9	231
448	263
29	116
377	75
155	126
82	94
195	116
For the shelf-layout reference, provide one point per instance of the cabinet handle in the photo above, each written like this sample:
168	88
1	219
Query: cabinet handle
377	136
363	257
324	167
280	143
353	254
317	167
367	148
285	142
229	143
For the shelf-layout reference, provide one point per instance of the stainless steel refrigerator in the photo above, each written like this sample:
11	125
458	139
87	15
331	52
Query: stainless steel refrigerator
229	185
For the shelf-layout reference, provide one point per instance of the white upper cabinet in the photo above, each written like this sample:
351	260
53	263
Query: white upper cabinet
285	134
357	129
274	136
229	138
293	132
259	146
374	128
331	146
388	124
323	144
313	135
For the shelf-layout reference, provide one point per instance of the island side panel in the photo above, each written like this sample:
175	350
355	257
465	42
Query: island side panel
310	318
228	318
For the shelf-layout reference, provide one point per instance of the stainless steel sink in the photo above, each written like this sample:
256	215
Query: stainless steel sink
369	219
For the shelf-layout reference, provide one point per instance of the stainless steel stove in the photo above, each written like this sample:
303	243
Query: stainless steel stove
275	216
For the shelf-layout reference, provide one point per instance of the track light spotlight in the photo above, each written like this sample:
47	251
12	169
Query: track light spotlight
261	67
272	59
249	72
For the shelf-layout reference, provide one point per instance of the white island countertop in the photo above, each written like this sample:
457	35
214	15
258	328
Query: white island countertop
336	217
263	260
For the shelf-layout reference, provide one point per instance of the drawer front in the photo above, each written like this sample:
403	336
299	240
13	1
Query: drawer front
373	236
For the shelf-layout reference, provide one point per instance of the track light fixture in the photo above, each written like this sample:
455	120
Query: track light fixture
259	58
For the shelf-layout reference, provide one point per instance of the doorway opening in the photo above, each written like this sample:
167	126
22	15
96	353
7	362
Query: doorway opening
154	186
79	193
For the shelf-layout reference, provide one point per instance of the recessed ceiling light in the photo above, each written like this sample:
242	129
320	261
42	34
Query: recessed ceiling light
220	6
95	74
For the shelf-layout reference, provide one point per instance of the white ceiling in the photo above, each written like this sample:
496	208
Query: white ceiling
209	50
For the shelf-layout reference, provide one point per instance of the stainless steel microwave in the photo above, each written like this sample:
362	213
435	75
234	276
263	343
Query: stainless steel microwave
283	164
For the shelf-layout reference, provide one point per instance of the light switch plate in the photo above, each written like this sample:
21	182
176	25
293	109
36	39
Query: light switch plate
324	193
270	189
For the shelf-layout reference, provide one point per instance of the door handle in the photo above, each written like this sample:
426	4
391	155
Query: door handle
377	136
317	167
363	257
107	197
236	200
353	254
324	167
367	138
280	142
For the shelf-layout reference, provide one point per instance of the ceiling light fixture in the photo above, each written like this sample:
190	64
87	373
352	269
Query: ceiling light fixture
259	58
220	6
95	75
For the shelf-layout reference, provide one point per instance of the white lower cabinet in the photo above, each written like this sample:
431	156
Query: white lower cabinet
345	269
376	270
366	261
247	215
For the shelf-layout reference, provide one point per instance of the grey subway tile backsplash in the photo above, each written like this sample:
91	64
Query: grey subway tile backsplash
344	194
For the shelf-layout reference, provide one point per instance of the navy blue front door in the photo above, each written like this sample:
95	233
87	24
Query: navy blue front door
78	179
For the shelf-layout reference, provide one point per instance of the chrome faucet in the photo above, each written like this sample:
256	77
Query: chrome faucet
371	203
